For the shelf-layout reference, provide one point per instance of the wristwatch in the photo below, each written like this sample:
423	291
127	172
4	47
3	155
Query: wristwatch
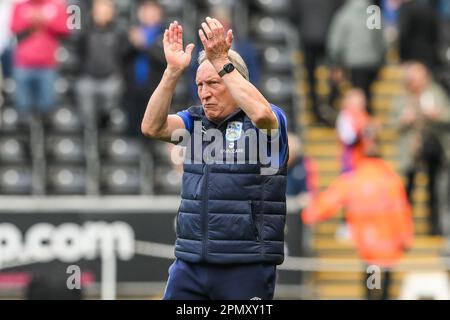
229	67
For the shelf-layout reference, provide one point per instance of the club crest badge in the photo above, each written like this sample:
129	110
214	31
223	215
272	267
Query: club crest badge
234	131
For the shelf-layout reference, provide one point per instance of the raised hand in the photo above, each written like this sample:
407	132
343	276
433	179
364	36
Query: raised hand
214	39
176	58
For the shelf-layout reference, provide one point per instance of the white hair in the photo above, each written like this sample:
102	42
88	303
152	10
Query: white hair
235	59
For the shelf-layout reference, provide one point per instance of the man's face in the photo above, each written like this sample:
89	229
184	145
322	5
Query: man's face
416	78
150	14
213	93
355	101
103	12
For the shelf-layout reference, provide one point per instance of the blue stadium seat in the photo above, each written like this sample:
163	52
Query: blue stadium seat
119	179
67	59
66	180
65	149
277	87
167	180
160	152
273	6
119	149
123	7
277	59
118	121
9	91
15	180
11	121
172	7
62	87
269	28
14	149
64	119
182	88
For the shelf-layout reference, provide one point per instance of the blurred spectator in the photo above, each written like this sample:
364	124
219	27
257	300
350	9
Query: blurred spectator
390	10
420	115
242	44
377	211
312	18
419	32
302	172
354	47
302	184
38	25
444	9
145	62
6	7
101	49
352	125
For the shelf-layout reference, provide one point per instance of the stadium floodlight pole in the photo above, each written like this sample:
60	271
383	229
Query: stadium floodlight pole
109	267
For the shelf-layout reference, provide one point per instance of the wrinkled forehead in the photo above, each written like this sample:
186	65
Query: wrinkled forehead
206	71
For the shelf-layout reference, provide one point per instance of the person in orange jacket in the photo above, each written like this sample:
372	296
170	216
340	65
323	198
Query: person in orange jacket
377	210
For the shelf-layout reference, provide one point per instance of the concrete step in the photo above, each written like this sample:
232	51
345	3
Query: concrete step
388	88
420	243
329	229
382	104
333	166
326	178
331	292
333	150
351	277
393	72
320	133
349	291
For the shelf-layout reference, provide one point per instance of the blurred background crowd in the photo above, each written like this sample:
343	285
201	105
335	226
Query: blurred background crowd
76	76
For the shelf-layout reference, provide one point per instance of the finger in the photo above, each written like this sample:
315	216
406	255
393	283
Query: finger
217	22
220	29
175	31
166	37
202	36
212	25
215	28
189	49
230	37
207	30
180	36
171	33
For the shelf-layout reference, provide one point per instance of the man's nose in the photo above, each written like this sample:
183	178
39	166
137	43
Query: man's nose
204	92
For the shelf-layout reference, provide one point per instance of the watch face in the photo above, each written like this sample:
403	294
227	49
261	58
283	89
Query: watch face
228	67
